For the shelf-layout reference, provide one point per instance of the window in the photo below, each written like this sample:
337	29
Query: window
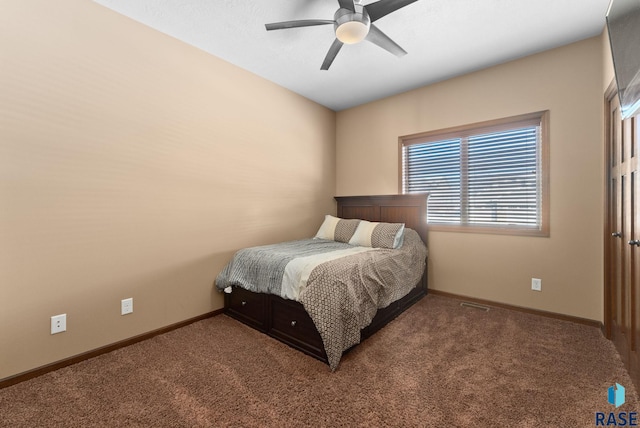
487	177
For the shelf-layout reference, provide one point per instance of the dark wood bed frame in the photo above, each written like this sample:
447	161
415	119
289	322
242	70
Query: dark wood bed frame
287	320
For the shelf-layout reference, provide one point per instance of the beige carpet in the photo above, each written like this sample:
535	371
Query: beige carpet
437	365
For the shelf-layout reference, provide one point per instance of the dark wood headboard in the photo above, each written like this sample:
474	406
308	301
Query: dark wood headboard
410	209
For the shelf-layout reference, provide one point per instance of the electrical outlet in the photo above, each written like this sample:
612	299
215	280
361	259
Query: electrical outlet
536	284
126	306
58	323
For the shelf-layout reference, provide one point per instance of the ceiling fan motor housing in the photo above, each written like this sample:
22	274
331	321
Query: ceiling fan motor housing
352	27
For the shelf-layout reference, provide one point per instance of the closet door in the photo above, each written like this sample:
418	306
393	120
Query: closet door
630	137
623	247
618	247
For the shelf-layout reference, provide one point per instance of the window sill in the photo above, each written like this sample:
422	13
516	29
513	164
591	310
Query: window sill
489	230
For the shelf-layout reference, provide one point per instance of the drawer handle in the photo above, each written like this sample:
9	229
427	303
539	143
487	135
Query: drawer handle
293	323
244	303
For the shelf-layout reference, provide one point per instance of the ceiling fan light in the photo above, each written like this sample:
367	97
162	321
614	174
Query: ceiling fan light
352	32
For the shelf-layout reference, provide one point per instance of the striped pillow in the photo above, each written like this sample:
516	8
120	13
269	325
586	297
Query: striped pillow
378	235
337	229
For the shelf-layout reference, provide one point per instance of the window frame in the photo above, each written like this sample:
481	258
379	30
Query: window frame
498	125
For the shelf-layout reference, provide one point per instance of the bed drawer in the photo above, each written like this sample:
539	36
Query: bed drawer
291	324
250	308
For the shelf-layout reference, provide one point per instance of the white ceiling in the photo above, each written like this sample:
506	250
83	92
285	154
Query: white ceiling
443	38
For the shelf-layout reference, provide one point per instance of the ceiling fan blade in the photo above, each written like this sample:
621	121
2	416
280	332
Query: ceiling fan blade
377	37
295	24
347	4
331	55
384	7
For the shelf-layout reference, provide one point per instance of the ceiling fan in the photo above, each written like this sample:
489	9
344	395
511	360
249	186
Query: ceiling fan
353	22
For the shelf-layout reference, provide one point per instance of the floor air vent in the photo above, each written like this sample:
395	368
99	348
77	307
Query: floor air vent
474	306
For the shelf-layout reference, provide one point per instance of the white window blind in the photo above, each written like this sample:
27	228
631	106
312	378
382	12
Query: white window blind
435	168
486	177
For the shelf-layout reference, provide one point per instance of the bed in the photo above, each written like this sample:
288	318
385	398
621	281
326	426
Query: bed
324	324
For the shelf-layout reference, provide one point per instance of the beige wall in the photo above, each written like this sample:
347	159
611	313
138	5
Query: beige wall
568	82
132	165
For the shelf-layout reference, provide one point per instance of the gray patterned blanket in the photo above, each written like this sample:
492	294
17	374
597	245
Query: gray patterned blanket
339	285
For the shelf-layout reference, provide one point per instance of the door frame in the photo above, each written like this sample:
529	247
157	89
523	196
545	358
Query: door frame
608	96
